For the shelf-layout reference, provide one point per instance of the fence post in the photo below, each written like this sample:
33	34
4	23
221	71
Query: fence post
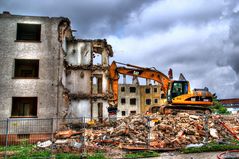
6	145
52	133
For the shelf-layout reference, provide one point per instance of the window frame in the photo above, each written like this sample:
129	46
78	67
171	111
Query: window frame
37	31
146	101
130	101
21	99
35	63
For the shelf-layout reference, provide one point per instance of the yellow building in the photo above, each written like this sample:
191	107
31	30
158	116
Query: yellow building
150	95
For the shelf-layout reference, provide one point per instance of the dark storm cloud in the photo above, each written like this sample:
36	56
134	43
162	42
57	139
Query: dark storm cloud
91	18
199	38
163	15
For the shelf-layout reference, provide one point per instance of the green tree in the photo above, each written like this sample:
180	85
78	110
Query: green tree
218	108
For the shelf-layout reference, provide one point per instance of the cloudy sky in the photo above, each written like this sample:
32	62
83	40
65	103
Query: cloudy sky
199	38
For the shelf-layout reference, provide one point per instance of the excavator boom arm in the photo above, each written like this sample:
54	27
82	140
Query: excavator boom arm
136	71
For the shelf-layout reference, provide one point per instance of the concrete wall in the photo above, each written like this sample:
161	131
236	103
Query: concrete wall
152	96
48	51
86	60
67	67
127	107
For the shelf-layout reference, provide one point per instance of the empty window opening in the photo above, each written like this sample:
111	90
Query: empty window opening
163	96
155	90
132	89
133	112
97	59
147	90
122	89
133	101
148	101
155	101
100	112
123	113
24	107
123	101
26	68
29	32
97	84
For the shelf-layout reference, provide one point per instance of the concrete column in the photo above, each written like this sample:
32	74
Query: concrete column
124	79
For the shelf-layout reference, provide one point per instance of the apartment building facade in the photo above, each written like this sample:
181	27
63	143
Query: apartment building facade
47	73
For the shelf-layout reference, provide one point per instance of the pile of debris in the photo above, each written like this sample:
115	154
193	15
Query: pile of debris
152	132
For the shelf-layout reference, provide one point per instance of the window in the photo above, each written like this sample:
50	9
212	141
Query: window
155	90
24	107
132	112
133	101
26	68
122	89
132	89
123	113
148	101
147	90
155	100
123	101
29	32
97	84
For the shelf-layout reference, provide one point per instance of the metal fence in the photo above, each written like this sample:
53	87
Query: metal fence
42	133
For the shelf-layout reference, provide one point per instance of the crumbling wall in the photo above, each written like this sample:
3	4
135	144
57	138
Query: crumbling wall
84	78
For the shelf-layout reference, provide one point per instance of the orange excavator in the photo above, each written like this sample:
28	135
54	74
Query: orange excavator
179	97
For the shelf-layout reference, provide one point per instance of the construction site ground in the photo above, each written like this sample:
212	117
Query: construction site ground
178	155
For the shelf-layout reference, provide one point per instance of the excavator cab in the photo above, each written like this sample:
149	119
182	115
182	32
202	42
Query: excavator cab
177	88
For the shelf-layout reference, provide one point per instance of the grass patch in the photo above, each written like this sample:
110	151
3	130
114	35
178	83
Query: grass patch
142	154
211	147
67	156
30	151
96	156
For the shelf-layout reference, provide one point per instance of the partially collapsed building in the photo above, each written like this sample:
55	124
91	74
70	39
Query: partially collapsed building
46	72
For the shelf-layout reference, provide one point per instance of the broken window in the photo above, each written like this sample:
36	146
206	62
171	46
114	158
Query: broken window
123	101
147	90
97	84
29	32
24	107
155	90
25	68
133	112
122	89
133	101
155	100
123	113
132	89
148	101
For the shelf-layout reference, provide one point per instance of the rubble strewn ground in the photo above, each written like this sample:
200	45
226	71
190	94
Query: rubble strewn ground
140	132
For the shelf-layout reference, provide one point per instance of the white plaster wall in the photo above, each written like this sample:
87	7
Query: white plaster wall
80	108
104	80
95	108
79	53
75	83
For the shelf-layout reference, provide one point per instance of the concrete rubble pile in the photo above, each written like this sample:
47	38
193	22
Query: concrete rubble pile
154	132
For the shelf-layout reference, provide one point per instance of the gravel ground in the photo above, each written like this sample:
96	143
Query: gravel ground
177	155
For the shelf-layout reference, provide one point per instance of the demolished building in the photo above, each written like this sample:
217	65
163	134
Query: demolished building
47	73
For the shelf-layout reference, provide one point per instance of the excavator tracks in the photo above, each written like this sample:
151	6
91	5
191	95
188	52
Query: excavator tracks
174	109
